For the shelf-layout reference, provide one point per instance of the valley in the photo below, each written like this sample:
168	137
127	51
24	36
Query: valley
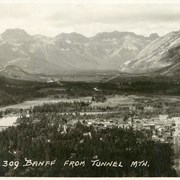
91	121
90	89
113	96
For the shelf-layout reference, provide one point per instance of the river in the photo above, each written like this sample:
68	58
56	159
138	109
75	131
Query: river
7	121
41	101
11	119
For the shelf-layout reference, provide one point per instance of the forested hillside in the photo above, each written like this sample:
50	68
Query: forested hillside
44	141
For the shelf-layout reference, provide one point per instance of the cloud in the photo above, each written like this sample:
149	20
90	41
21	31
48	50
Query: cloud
116	13
89	19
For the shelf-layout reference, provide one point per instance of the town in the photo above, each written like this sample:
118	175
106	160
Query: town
158	121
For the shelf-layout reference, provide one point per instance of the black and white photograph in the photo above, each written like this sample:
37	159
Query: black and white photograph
89	88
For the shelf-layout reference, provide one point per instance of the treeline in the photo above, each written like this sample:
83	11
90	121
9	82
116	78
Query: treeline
68	107
150	86
16	91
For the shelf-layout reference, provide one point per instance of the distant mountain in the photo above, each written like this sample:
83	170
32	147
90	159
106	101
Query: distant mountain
14	72
16	36
115	48
162	55
68	52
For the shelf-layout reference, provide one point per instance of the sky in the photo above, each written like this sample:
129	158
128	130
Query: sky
52	17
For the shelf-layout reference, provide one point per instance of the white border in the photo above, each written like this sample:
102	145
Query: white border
87	2
92	1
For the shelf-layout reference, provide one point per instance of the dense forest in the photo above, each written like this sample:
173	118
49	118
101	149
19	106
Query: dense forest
45	141
42	135
15	91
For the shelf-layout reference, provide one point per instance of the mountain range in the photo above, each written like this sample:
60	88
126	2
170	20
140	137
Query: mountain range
24	54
